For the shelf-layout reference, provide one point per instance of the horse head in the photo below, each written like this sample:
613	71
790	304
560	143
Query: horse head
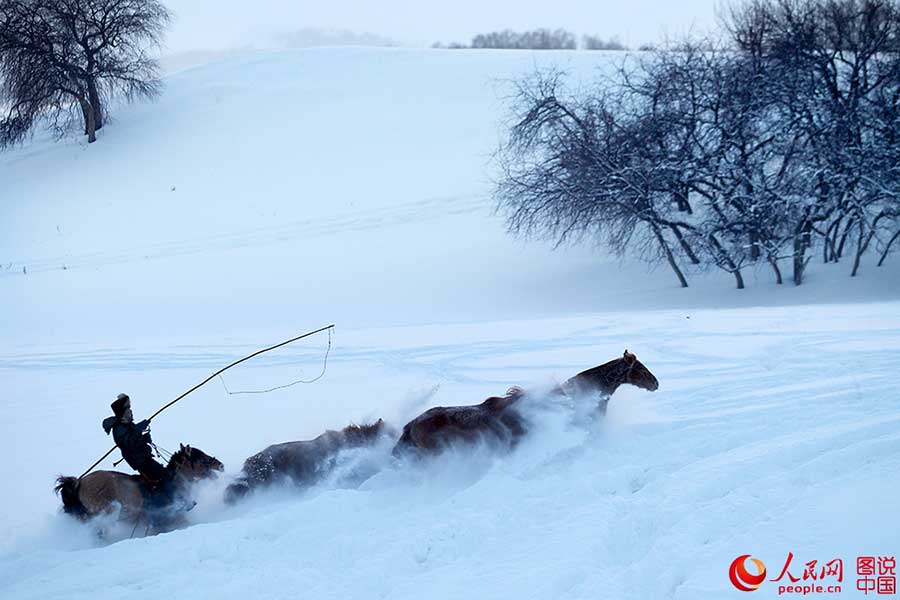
637	374
606	378
194	464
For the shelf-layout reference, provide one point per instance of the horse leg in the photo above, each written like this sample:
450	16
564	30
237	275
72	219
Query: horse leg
515	426
601	405
169	522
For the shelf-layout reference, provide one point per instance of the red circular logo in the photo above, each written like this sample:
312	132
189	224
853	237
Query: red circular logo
741	578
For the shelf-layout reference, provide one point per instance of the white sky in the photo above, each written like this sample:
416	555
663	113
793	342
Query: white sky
217	24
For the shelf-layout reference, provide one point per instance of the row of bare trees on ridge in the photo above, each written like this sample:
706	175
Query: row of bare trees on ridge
775	142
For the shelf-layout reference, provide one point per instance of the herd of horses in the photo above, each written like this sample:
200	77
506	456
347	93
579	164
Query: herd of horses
496	421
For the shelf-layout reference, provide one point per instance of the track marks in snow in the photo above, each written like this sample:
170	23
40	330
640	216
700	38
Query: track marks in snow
402	213
754	449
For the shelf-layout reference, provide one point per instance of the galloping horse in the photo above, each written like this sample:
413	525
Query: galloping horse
497	420
606	379
101	492
494	421
304	462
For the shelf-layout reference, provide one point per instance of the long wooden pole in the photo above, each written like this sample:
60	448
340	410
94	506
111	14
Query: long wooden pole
210	378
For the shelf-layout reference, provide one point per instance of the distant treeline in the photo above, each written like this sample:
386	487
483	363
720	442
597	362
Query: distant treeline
537	39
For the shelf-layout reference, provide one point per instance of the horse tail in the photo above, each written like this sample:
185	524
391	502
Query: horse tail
67	488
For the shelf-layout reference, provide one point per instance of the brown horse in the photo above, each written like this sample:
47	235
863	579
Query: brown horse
102	492
493	421
304	462
606	379
497	420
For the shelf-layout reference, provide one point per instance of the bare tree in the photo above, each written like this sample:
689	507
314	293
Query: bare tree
748	151
575	169
833	68
61	58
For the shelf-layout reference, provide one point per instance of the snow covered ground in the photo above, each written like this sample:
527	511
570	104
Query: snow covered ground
268	195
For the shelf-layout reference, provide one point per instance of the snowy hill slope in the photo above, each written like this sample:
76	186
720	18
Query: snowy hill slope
286	188
268	195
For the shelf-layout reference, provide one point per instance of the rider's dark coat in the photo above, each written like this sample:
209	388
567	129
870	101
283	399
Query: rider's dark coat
134	441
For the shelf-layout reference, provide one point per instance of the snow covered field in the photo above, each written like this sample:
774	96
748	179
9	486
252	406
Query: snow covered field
268	195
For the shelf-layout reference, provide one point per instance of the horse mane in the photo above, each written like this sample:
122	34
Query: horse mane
363	431
179	455
607	365
498	404
606	377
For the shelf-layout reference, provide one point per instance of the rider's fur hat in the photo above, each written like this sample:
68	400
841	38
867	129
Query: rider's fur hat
121	403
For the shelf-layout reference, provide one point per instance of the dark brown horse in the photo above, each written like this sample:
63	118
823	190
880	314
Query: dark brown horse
494	421
604	380
303	463
497	420
102	492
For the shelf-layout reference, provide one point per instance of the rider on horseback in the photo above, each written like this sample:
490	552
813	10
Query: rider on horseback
133	439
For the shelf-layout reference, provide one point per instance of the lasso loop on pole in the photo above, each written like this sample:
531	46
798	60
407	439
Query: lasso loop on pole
219	372
287	385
